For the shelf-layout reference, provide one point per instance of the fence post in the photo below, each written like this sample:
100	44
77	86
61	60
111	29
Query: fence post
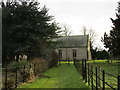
16	78
103	81
85	71
23	73
96	78
99	75
34	69
88	75
6	78
92	77
118	87
29	67
82	69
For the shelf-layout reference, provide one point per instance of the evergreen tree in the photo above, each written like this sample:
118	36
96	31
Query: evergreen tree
112	41
26	28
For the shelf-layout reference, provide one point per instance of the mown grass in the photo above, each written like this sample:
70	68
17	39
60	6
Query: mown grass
111	68
63	76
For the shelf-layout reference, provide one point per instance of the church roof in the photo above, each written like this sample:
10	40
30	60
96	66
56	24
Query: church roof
72	41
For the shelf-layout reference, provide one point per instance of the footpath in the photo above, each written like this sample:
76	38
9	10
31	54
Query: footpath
63	76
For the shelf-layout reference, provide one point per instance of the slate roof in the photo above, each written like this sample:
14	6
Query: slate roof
72	41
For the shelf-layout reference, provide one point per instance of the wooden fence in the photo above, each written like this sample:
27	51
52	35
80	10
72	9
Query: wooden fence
97	78
13	77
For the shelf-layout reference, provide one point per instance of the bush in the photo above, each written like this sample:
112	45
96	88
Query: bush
55	58
16	64
41	65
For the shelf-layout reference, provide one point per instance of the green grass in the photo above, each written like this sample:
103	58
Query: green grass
63	76
111	68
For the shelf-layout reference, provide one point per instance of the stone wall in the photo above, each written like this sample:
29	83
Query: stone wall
68	52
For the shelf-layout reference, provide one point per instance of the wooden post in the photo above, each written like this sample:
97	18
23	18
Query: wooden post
29	67
6	78
34	69
82	69
16	78
92	77
96	78
103	81
118	87
23	73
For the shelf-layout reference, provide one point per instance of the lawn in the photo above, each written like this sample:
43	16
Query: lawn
111	68
63	76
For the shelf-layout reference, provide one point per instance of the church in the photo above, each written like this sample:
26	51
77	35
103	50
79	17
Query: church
73	47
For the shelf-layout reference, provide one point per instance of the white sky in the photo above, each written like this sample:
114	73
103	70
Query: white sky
93	14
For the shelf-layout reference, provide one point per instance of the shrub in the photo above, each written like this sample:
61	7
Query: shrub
41	65
16	64
55	58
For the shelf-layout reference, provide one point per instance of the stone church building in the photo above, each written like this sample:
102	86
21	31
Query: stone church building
70	47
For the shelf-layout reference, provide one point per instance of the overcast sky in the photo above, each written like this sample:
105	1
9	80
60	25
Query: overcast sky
93	14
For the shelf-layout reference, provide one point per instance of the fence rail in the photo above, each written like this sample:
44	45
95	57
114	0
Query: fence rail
96	78
13	77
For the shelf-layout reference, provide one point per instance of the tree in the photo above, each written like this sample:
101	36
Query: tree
26	28
112	40
65	30
92	34
99	54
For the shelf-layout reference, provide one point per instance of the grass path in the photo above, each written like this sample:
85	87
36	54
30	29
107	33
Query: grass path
63	76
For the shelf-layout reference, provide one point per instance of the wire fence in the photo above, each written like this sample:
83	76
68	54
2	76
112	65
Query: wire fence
96	77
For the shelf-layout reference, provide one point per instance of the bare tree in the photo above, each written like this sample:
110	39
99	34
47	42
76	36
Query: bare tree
84	30
92	34
65	30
